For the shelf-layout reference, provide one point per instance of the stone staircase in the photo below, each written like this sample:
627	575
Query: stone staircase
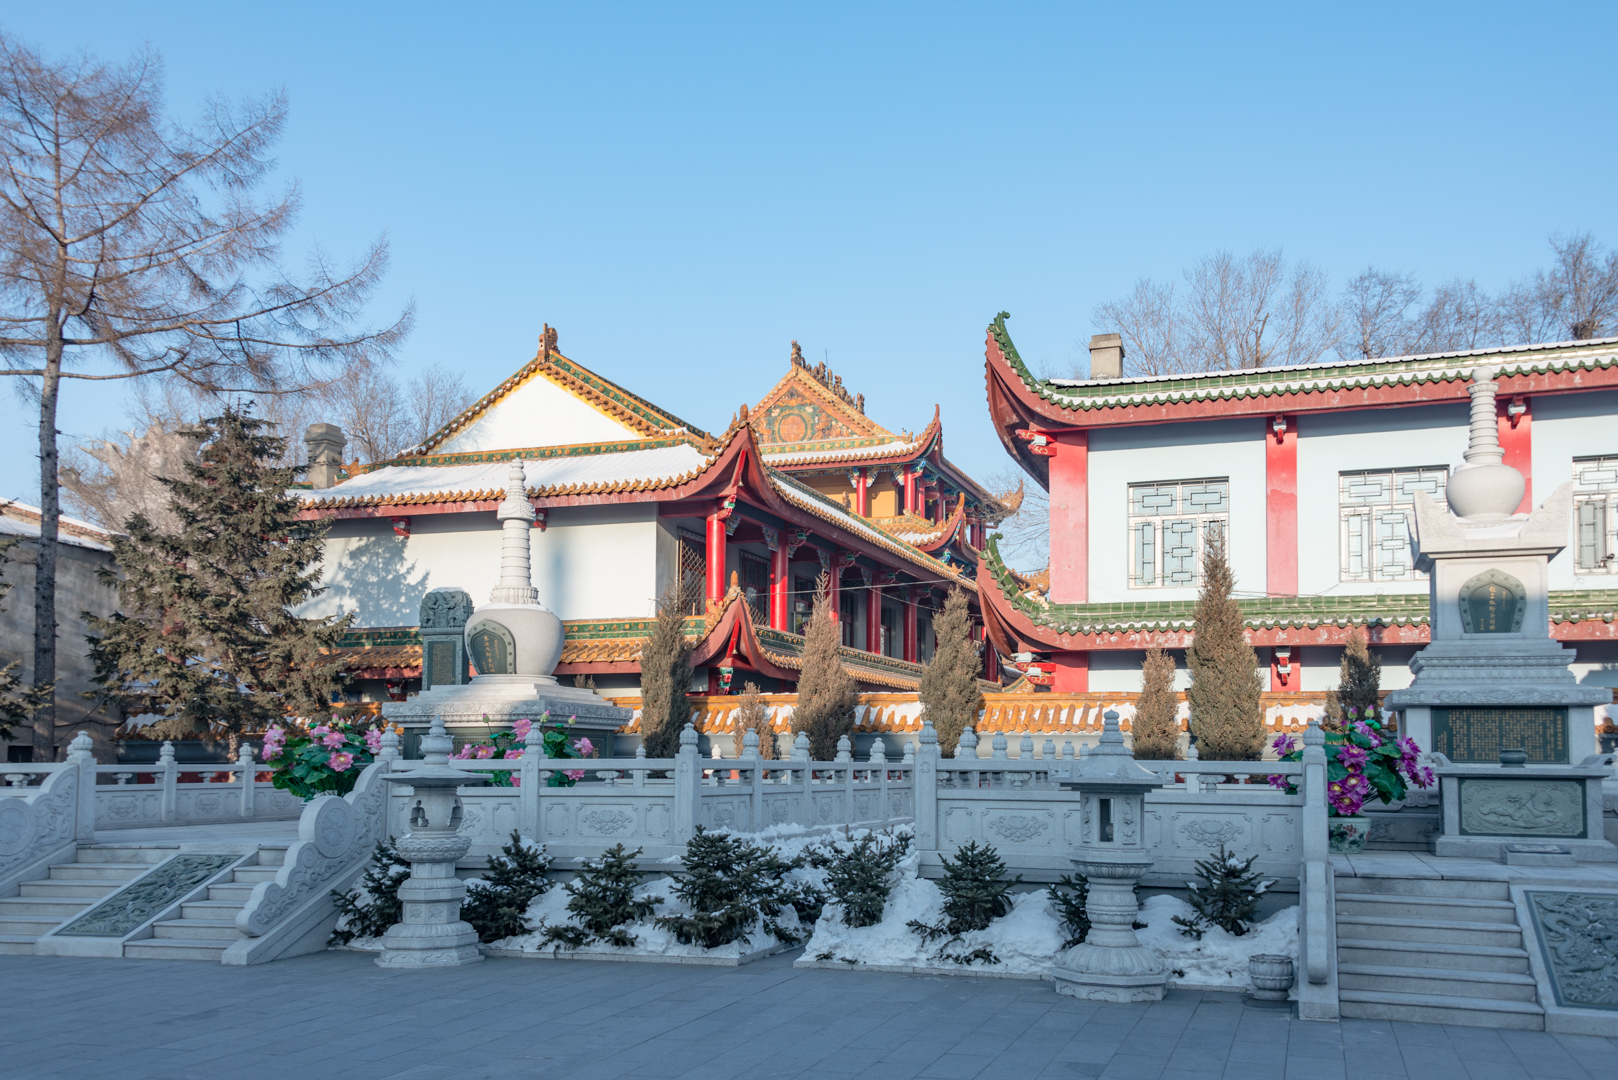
69	889
1436	951
206	928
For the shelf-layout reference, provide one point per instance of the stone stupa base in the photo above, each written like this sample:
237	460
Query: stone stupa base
491	703
1105	973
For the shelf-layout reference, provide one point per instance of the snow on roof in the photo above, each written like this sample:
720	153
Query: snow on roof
633	469
839	451
20	519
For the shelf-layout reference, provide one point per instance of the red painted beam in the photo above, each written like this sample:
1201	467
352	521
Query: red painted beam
1517	440
1070	518
1281	507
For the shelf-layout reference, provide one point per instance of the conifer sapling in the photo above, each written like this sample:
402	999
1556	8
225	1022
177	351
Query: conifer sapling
951	695
602	901
860	876
368	911
1359	685
827	694
754	715
729	886
1227	711
1226	896
1155	731
497	906
975	894
665	676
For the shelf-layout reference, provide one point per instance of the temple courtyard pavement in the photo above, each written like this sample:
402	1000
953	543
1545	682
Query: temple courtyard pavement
335	1014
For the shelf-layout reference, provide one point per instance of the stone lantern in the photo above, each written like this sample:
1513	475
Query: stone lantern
1112	964
432	933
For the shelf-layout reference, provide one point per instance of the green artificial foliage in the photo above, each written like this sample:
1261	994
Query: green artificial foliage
665	676
1227	710
602	901
17	701
975	894
368	911
497	906
859	875
729	886
205	635
1068	896
951	695
1359	684
1227	896
827	694
1155	731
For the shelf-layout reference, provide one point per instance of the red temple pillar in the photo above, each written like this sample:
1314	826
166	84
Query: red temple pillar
1072	672
862	492
907	480
716	555
873	619
1516	420
834	586
910	625
1070	517
780	584
1281	505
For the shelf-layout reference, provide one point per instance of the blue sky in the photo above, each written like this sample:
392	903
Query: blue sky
683	189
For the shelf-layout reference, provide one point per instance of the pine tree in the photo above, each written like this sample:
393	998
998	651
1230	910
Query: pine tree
951	696
1156	728
860	877
1227	712
1226	897
665	676
205	635
497	906
827	694
729	885
1359	684
754	715
602	902
975	894
1070	895
368	911
17	700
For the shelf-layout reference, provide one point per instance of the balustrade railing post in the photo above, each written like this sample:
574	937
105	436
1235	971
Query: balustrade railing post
79	755
754	774
1315	854
800	753
924	789
171	781
687	786
879	758
244	766
533	753
845	758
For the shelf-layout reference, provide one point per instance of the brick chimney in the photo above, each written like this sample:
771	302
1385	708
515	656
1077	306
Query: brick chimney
1107	356
325	443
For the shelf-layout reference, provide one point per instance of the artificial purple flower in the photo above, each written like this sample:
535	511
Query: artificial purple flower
584	746
1284	745
1278	781
1351	758
1364	732
1347	805
1426	778
1356	784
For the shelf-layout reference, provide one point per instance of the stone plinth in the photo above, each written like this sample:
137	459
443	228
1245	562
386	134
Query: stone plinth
1487	807
491	703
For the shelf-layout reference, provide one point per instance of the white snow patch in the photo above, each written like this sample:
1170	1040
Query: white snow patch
1219	960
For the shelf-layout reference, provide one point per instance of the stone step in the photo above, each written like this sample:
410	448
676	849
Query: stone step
210	909
124	853
1433	908
1441	1009
96	871
272	856
1464	888
1378	952
60	907
197	929
88	890
28	924
176	949
1435	931
1444	982
252	875
236	893
17	945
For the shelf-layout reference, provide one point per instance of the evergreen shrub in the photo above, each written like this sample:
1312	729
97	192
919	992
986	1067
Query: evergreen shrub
729	885
1068	896
754	715
368	911
1155	731
827	694
951	696
1226	897
975	894
1359	685
665	676
602	902
859	875
1227	710
497	906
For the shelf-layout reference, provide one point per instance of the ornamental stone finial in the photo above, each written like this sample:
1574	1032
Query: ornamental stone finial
688	736
929	737
1485	488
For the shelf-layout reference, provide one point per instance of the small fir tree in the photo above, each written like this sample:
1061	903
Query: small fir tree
1227	712
17	700
1069	896
602	901
665	676
729	886
827	694
861	876
206	636
1156	728
1227	896
497	906
975	894
368	911
951	696
1359	683
754	715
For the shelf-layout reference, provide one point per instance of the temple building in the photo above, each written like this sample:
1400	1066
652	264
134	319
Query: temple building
630	500
1309	472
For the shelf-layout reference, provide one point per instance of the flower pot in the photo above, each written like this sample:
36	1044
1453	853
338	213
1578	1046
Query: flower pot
1271	975
1347	835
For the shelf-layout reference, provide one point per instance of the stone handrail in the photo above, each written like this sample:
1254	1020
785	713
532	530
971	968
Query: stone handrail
44	824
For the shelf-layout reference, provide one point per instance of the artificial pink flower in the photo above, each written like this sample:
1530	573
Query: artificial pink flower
373	741
339	762
333	740
575	774
319	730
462	754
485	752
514	752
584	746
521	728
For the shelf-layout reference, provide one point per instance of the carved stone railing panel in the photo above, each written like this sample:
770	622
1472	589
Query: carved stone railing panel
38	823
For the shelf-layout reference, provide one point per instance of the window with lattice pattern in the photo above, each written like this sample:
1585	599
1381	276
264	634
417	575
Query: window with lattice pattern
693	571
1169	523
1377	520
1595	515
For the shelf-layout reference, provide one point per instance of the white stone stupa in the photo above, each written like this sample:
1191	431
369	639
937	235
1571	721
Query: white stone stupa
514	642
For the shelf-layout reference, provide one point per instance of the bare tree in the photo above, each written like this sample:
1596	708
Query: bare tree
1458	316
1576	299
1255	311
126	245
383	420
437	396
1025	536
108	479
1375	318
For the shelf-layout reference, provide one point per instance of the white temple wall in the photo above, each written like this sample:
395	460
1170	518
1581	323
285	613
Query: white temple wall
510	425
594	562
1212	449
1566	426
